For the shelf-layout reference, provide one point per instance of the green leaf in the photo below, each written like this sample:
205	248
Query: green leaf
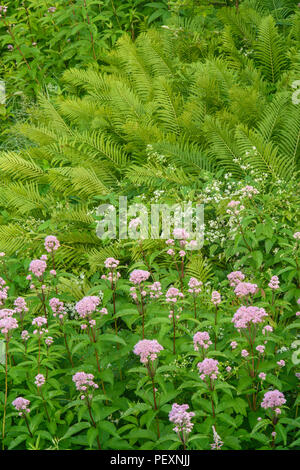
75	429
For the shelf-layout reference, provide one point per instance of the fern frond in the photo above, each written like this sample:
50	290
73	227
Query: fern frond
270	51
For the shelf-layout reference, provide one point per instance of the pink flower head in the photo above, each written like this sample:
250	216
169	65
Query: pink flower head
260	348
20	305
51	243
134	223
111	263
194	286
233	344
208	368
25	335
49	340
281	363
38	267
138	276
7	324
170	252
181	418
3	291
235	278
234	208
267	328
21	404
87	305
180	233
84	382
39	321
244	353
274	283
173	294
39	380
216	297
217	444
297	236
245	288
57	307
273	399
170	241
155	290
147	350
201	339
249	191
262	376
6	312
244	316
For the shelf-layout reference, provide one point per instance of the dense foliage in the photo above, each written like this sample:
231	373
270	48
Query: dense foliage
161	102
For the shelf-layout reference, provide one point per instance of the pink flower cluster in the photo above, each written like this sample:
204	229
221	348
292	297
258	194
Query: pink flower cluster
194	286
6	312
267	328
25	335
155	290
138	276
244	316
57	308
297	236
208	368
51	243
111	263
21	404
87	305
273	399
217	444
7	324
234	207
112	276
180	233
260	348
38	267
235	278
173	294
83	381
39	321
134	223
201	339
39	380
3	291
49	340
249	191
216	297
181	418
274	282
20	305
245	288
147	349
